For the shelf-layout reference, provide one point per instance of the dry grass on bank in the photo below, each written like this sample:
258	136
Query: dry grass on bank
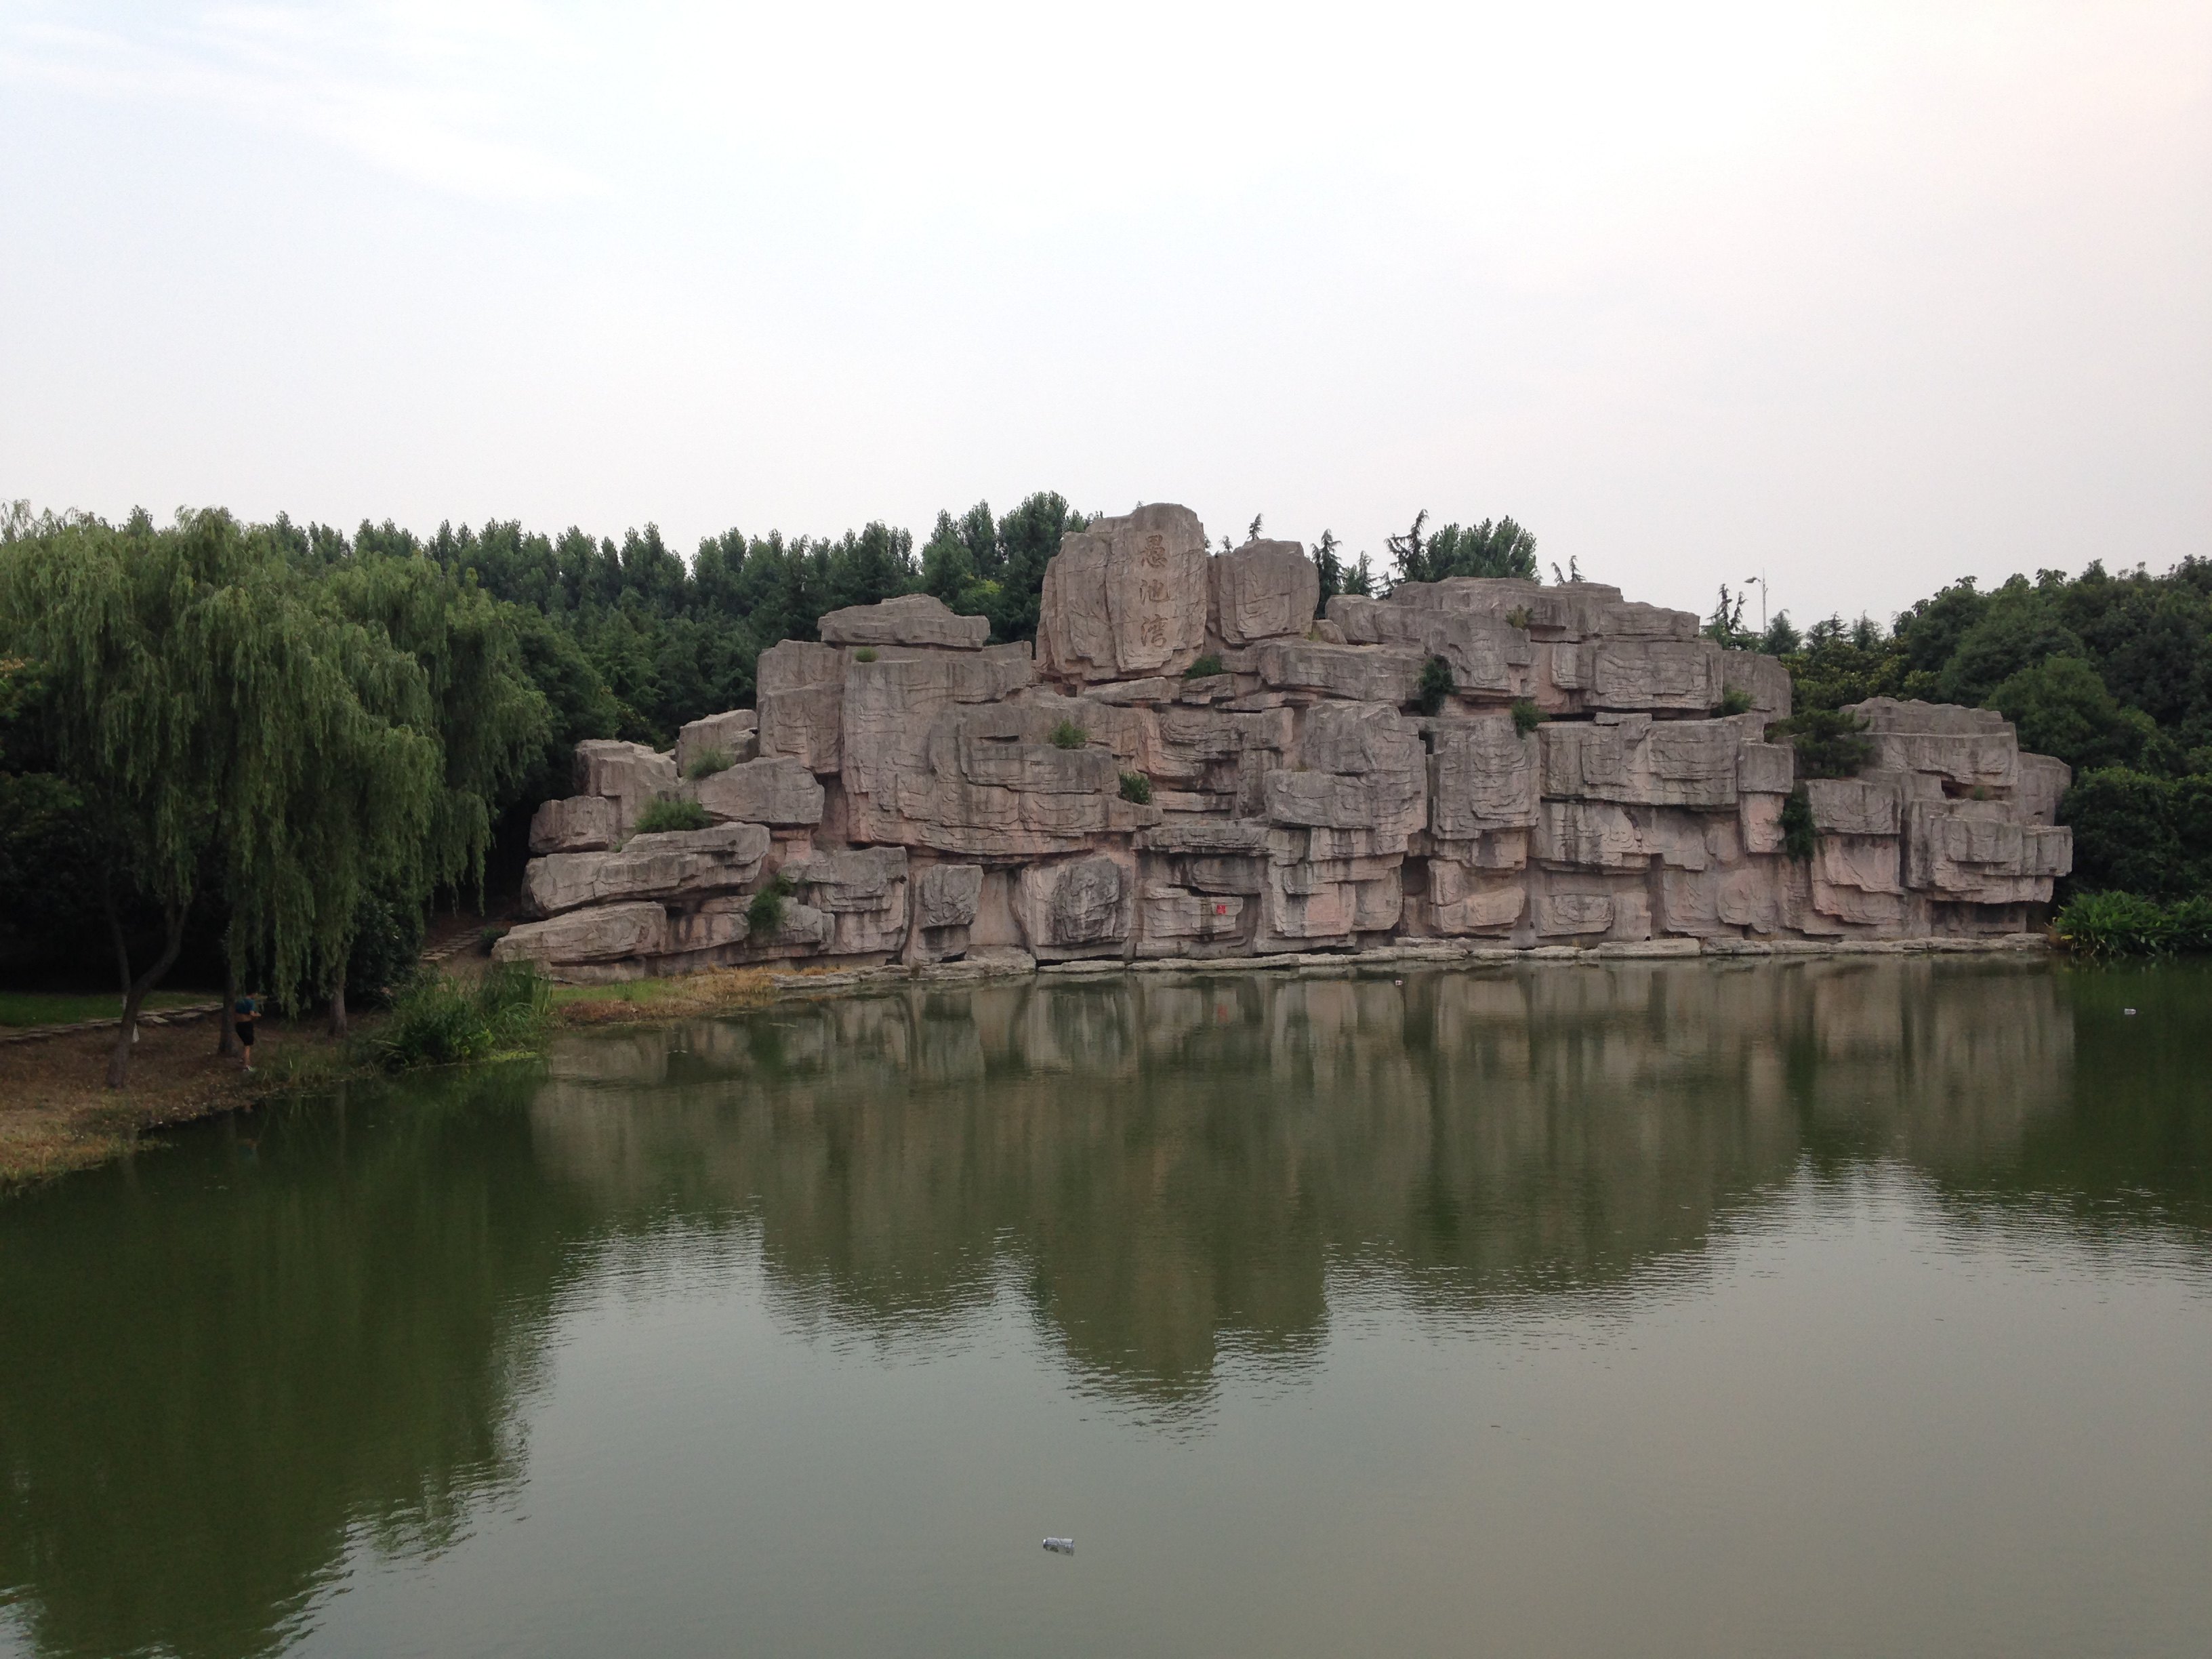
644	1001
58	1115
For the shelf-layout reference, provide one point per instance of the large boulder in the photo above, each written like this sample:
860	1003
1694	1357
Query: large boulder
1762	679
1638	760
913	619
891	709
608	934
863	892
1655	674
1126	597
679	864
775	789
1074	908
1388	674
946	895
1852	806
1263	590
731	736
1482	776
1363	769
629	775
581	823
946	899
1489	655
1970	748
802	700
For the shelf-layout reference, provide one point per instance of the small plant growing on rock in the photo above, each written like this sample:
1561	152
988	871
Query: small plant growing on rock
671	812
1068	735
1735	701
1798	825
1136	787
708	762
1518	617
865	654
1205	668
764	915
1527	717
1436	684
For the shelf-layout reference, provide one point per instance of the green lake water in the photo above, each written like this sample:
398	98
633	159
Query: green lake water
1849	1307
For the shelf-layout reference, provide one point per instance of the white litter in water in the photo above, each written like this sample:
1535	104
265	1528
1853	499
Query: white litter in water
2127	1011
1061	1545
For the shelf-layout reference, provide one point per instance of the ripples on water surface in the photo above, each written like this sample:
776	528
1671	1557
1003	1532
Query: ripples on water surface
1655	1308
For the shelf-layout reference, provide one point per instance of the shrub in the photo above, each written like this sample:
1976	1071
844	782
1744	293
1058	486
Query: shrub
707	761
1517	618
1829	742
1527	717
1136	787
1205	668
487	936
1735	701
387	945
865	654
1798	825
1068	735
764	915
437	1021
669	813
2141	834
1436	684
2105	925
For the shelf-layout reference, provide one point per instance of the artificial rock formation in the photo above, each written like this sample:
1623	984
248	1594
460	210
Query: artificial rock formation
908	791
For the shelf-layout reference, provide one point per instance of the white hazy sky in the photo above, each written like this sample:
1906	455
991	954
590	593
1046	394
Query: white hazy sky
1866	296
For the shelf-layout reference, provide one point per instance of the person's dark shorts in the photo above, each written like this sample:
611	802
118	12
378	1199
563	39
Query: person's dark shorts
245	1028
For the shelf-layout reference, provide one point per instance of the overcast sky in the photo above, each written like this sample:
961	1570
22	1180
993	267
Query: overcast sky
1865	296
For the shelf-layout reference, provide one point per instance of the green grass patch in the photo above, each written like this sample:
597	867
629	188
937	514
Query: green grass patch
1068	735
708	762
1205	668
22	1008
661	815
1137	788
1735	701
1527	717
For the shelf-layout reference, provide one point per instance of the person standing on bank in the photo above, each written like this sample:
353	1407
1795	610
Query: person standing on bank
242	1017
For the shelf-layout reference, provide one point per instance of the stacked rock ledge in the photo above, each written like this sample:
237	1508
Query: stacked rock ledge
913	799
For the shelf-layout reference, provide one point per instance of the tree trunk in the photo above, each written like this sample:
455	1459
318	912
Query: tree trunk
226	1041
133	990
338	1006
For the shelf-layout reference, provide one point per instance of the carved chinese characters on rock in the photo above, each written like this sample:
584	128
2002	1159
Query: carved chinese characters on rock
1154	553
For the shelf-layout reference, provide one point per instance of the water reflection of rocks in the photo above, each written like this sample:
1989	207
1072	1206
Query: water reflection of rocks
1172	1168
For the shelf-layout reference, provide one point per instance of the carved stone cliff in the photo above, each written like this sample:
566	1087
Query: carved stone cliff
908	794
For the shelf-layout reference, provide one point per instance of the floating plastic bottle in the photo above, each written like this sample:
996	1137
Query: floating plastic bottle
1061	1545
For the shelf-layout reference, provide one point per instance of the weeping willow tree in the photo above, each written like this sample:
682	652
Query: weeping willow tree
491	721
223	729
